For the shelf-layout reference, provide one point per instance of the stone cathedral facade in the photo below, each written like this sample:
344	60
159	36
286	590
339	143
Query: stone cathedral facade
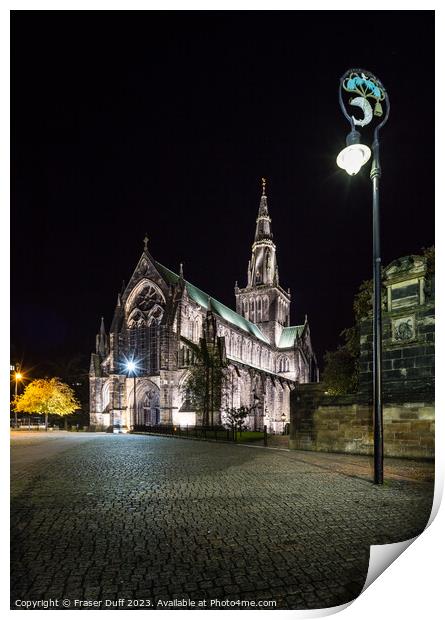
266	356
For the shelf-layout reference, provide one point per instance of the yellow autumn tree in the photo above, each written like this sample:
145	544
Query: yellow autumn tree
45	396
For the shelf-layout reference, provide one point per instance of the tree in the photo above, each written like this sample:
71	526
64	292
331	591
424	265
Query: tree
340	375
341	367
236	417
45	396
429	254
73	370
204	382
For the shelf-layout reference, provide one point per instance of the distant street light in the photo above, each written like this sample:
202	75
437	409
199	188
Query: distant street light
256	402
283	419
367	87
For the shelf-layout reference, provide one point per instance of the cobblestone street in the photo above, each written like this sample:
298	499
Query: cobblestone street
100	516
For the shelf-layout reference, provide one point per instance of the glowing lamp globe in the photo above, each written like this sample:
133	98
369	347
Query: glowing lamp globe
353	157
131	366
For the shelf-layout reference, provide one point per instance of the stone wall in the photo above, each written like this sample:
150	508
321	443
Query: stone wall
408	324
345	423
340	424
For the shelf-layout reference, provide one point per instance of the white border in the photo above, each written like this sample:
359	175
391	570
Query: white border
413	585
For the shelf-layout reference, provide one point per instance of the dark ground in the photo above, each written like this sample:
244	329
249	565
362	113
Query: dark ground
98	517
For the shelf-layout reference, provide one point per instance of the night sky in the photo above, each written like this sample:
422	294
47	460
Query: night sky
164	122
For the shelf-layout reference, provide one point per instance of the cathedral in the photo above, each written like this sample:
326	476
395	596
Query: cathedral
139	370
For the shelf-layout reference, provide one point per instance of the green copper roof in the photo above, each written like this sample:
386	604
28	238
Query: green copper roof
288	335
220	309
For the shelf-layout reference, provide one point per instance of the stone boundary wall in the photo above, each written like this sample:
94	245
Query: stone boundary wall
320	422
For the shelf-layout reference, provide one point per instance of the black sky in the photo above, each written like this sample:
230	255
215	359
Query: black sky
127	122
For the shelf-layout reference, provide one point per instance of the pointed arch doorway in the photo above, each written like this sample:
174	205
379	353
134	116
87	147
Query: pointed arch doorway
150	407
147	401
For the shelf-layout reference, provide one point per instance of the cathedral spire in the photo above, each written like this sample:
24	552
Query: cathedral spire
116	323
263	221
101	339
263	301
262	265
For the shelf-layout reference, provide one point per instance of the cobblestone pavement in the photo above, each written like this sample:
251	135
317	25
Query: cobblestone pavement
108	517
362	466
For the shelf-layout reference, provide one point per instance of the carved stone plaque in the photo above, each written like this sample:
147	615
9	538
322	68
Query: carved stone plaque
403	329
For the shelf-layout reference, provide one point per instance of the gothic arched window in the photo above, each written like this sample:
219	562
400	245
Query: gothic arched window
144	305
283	364
265	309
105	395
248	351
256	355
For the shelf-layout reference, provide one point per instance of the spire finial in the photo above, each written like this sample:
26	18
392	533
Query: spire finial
145	242
263	183
181	270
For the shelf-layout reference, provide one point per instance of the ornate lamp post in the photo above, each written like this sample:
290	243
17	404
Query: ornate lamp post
368	88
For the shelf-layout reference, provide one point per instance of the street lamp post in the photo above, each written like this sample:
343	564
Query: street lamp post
283	419
17	377
367	87
131	368
135	402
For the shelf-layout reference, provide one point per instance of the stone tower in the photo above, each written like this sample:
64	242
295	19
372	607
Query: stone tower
263	301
